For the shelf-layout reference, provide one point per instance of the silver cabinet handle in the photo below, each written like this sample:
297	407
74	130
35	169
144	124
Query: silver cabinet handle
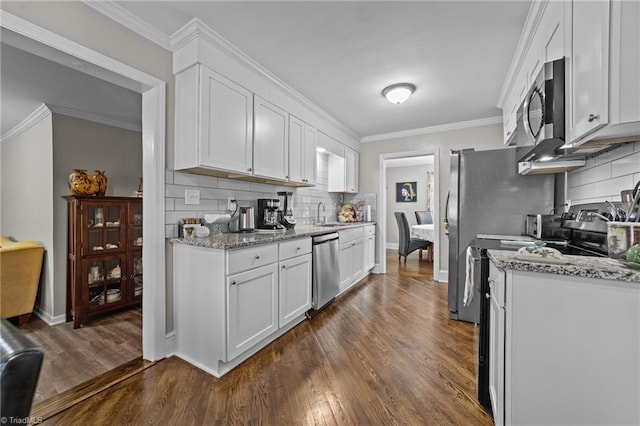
233	282
487	296
592	117
124	278
257	257
284	266
297	248
249	169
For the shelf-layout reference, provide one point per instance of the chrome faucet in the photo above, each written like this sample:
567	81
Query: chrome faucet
323	212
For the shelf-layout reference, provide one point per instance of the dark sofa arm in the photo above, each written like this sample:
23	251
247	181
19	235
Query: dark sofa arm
19	370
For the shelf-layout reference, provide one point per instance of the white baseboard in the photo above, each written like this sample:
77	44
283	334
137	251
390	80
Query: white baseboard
443	276
392	246
50	320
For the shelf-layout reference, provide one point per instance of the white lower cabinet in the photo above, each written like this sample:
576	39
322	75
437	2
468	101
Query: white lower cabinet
351	257
369	247
228	304
496	344
295	288
252	312
558	343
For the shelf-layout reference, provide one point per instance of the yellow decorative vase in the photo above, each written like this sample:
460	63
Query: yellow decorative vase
80	183
100	180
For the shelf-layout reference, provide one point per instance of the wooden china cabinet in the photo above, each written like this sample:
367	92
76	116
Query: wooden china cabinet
104	265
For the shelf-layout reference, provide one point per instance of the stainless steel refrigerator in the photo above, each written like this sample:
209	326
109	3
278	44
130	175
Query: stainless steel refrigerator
487	196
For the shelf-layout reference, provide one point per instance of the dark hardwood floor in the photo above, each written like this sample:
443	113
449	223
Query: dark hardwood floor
385	353
74	356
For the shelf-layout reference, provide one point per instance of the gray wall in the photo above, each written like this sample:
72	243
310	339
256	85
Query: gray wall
480	137
27	196
87	145
405	174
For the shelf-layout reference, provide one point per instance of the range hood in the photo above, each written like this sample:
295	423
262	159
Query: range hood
547	167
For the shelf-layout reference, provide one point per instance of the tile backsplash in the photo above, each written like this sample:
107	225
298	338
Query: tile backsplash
214	193
606	175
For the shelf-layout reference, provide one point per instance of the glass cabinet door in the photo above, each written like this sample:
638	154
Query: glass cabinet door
105	281
104	227
135	277
135	226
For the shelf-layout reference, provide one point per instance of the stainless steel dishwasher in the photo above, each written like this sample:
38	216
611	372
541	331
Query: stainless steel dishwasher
326	276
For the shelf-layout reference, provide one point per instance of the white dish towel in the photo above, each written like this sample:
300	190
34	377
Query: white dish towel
468	282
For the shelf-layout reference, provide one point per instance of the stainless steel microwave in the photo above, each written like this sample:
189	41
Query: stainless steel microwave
541	116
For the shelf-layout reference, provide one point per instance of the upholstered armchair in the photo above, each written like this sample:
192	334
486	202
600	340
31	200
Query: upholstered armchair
20	267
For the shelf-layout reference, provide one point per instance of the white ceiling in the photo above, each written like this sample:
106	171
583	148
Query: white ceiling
341	55
29	80
338	54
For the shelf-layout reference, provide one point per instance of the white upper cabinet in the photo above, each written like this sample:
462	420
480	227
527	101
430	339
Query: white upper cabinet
605	88
270	140
302	152
600	40
589	70
214	122
352	164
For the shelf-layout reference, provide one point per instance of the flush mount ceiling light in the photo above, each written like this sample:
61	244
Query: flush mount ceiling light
398	93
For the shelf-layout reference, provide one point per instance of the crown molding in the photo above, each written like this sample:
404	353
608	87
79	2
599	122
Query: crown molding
433	129
129	20
534	16
196	29
31	120
100	119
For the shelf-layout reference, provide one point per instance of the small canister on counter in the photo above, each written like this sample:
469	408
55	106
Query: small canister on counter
620	237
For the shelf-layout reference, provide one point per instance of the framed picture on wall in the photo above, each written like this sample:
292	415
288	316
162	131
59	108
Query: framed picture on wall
406	192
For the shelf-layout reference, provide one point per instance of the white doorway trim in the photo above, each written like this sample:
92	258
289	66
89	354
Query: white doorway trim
153	92
384	162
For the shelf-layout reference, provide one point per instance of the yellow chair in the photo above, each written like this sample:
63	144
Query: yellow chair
20	268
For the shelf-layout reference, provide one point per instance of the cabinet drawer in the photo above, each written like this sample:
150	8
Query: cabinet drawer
351	234
289	249
249	258
497	284
369	230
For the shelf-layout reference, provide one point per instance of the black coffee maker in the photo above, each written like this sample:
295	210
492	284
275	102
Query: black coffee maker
286	214
268	213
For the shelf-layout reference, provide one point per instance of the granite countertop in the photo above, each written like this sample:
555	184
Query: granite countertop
229	241
577	266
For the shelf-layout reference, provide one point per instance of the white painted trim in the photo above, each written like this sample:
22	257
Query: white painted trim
392	246
31	120
100	119
127	19
153	166
433	129
384	159
534	16
197	29
50	320
443	276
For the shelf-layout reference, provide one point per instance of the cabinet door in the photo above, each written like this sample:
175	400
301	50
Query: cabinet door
252	308
310	145
226	123
370	252
296	150
134	276
345	264
134	225
352	160
496	358
104	227
589	68
295	288
358	259
104	282
270	140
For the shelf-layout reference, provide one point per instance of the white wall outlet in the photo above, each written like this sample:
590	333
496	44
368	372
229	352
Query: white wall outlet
231	203
192	196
